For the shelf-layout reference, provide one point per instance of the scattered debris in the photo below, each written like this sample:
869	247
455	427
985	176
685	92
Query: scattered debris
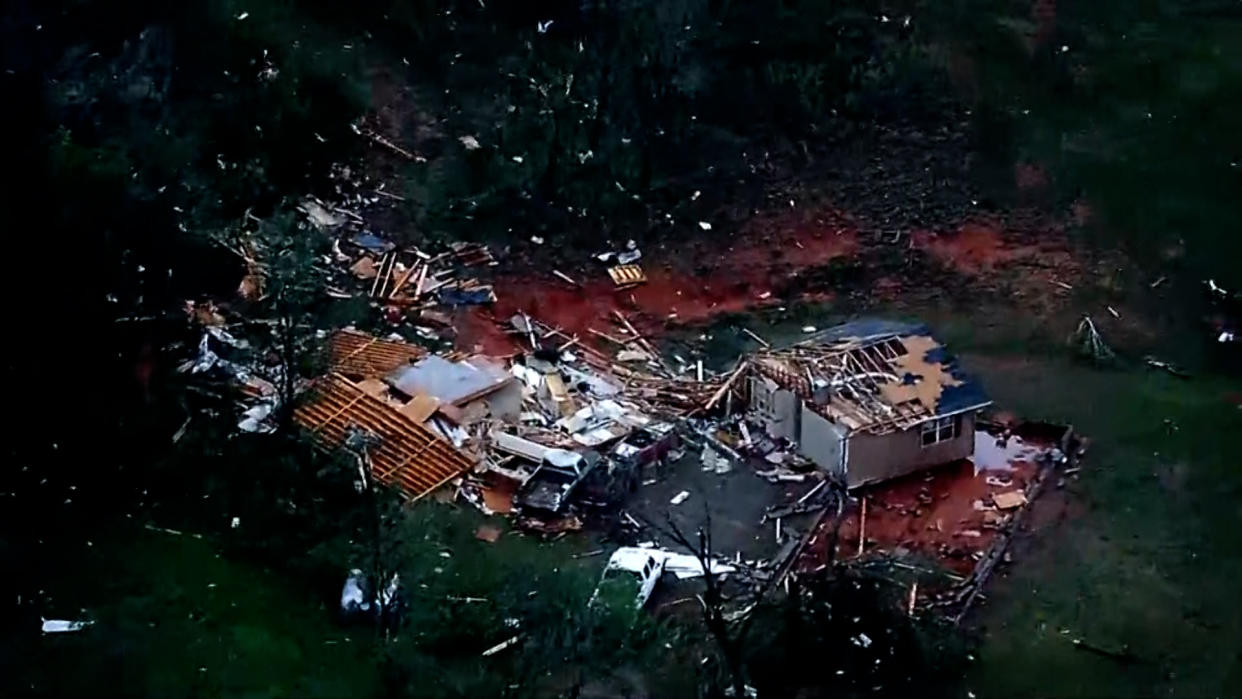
1090	344
64	626
627	276
488	533
679	498
1166	366
1009	500
565	277
503	645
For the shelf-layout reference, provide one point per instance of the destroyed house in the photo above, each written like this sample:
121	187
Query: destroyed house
868	401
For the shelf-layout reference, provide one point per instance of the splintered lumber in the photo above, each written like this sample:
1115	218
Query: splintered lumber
725	386
565	277
416	267
380	273
638	337
608	337
380	140
758	339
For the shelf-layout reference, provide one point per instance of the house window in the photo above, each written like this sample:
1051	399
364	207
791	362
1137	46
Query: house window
940	430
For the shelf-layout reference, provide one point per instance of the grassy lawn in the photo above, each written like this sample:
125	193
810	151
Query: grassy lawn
174	618
1148	558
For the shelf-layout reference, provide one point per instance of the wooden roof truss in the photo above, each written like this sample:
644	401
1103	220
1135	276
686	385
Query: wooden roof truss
404	453
855	371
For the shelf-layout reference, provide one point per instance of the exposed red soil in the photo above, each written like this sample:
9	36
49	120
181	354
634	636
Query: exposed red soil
934	513
686	285
974	248
691	281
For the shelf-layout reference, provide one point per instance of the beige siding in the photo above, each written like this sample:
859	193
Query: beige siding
822	442
873	458
778	408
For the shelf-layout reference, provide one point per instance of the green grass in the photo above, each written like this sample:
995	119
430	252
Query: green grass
1149	559
174	618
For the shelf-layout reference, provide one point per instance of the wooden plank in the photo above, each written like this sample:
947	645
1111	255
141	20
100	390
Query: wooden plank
416	267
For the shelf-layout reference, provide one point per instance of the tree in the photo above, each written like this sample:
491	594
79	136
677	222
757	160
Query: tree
285	283
729	636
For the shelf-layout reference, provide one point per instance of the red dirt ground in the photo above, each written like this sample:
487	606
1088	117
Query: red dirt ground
975	247
684	287
928	512
692	280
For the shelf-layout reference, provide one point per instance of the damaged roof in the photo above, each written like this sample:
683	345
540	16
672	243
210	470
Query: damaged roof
407	454
453	383
874	375
358	354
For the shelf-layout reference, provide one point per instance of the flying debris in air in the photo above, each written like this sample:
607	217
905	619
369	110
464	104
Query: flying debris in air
543	26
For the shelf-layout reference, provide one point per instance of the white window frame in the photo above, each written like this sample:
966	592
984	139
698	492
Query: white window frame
944	429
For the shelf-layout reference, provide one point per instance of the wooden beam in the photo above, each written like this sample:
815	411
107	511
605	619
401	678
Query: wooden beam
338	413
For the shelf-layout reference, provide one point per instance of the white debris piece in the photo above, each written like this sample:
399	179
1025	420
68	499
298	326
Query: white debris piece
709	458
254	419
862	640
470	142
705	225
501	646
808	328
679	498
64	625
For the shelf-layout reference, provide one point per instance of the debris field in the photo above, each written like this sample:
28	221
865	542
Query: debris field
557	409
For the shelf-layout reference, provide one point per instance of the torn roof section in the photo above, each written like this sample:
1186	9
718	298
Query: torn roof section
359	355
875	375
453	383
405	453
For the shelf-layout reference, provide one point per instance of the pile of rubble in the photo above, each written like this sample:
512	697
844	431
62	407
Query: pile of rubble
552	431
